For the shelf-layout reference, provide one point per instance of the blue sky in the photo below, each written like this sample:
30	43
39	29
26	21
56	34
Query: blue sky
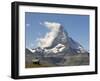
77	27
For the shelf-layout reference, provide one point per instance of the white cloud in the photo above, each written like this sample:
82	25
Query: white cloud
52	25
47	40
40	23
27	25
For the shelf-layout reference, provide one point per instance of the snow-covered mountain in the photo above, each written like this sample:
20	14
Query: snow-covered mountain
60	42
57	43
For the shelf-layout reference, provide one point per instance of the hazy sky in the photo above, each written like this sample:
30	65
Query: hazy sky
77	27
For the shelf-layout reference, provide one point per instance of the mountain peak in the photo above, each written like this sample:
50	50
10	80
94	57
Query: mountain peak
57	37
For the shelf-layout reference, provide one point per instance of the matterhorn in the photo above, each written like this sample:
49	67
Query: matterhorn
57	48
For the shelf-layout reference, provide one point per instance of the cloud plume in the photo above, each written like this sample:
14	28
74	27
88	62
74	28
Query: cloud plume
47	40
